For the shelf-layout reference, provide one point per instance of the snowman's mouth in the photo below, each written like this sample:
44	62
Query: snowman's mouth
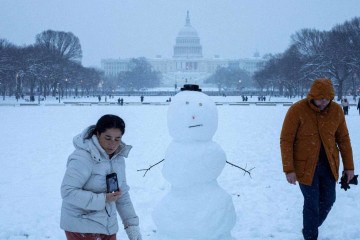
198	125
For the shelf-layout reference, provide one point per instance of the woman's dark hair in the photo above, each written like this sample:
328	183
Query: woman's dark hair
106	122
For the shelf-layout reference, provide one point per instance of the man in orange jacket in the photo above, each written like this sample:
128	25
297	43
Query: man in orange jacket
313	133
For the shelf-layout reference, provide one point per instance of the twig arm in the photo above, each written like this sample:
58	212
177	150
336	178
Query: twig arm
147	169
244	169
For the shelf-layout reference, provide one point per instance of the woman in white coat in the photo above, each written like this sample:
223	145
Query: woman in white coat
88	209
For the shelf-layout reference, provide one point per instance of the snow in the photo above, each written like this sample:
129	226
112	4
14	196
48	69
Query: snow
36	141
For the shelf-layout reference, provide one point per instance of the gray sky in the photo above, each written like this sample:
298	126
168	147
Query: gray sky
134	28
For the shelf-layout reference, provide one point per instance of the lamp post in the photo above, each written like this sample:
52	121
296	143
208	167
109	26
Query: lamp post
38	89
17	86
58	87
81	88
240	86
336	86
66	87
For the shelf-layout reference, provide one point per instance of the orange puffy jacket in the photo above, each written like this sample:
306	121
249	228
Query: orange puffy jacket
305	127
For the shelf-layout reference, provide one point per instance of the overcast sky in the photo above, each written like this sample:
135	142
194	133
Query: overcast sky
134	28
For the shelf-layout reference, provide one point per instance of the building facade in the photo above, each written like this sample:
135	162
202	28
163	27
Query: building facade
187	64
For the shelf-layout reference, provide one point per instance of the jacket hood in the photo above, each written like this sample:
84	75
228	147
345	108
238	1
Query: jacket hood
321	88
93	146
80	140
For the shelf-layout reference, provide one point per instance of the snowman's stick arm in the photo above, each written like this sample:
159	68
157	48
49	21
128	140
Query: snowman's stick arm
147	169
244	169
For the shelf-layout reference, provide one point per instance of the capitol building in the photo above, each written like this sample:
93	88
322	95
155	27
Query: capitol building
187	64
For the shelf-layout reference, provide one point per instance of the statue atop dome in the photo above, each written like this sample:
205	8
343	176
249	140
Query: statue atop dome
187	19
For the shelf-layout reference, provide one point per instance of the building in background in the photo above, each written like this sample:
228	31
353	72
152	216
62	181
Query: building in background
187	64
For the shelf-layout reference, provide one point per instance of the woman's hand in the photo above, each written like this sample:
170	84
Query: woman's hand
111	197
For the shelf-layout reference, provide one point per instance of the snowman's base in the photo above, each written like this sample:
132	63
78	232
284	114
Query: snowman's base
201	212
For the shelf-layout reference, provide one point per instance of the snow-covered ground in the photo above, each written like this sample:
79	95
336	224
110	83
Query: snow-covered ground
36	141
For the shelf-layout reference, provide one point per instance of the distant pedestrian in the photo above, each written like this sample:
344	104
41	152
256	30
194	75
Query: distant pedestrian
141	98
99	98
358	106
345	106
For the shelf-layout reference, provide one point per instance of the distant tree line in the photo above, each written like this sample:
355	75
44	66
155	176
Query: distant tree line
50	66
333	54
230	78
139	76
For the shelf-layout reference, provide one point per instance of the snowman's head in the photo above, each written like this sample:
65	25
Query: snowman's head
192	116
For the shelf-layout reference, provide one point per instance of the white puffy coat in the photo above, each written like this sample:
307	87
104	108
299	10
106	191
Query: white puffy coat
84	209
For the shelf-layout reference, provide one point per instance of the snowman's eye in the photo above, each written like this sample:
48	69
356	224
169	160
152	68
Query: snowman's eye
187	103
200	104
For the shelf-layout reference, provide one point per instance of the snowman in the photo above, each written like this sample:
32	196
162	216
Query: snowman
196	207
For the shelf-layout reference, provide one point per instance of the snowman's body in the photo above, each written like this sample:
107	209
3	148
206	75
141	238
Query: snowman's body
196	207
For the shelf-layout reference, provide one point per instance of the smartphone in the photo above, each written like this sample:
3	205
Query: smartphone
112	184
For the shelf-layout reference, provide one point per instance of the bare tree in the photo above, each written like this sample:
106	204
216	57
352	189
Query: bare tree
66	44
10	69
140	76
330	54
346	39
230	78
310	43
269	76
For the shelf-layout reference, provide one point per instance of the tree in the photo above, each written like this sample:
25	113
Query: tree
268	76
337	58
229	78
140	76
38	65
65	44
290	74
346	48
311	45
329	54
8	53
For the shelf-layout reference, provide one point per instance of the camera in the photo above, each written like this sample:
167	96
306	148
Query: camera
112	184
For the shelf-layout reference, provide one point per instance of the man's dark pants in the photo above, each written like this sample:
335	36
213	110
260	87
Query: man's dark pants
318	199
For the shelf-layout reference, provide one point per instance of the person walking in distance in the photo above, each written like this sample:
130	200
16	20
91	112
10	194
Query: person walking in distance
345	105
314	131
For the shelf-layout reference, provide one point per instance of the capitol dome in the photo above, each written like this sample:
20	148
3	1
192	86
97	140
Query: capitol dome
188	32
187	43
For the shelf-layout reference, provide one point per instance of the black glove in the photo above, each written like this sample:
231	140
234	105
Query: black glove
345	184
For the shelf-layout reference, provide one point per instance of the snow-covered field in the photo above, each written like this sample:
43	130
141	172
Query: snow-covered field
36	141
